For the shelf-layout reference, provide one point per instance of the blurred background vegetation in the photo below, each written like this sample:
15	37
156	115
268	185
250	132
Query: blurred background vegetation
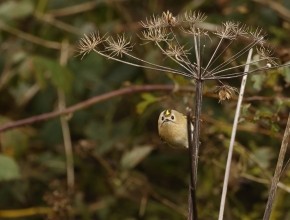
122	169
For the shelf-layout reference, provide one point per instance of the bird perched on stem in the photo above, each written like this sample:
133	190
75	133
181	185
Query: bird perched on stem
172	128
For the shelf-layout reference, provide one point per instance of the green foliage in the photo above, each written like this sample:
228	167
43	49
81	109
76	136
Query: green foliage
59	76
16	9
286	74
258	80
147	99
131	158
9	168
14	142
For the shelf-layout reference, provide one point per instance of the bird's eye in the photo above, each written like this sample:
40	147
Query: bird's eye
162	118
172	117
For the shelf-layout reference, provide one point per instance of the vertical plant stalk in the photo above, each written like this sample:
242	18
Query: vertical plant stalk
65	127
233	136
278	170
193	141
191	192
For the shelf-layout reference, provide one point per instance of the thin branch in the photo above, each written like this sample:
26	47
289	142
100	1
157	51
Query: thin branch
265	181
79	8
57	23
159	68
29	37
242	73
278	170
65	126
186	68
233	136
167	202
187	61
276	6
75	9
237	66
222	125
213	55
89	102
164	68
236	56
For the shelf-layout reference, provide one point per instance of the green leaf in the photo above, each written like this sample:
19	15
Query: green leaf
9	169
59	75
148	99
20	91
286	73
55	164
16	9
135	156
258	81
245	110
263	155
14	142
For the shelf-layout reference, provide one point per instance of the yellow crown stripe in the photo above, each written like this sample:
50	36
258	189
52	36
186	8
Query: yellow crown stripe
167	112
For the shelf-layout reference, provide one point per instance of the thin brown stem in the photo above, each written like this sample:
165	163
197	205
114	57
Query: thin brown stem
89	102
65	125
29	37
191	192
193	151
281	10
277	173
57	23
75	9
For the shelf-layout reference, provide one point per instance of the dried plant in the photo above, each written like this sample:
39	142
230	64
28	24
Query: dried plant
226	92
202	58
163	30
60	203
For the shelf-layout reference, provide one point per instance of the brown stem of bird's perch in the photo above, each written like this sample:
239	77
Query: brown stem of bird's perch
191	193
193	150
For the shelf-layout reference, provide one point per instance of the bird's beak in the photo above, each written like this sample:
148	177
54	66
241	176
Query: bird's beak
166	120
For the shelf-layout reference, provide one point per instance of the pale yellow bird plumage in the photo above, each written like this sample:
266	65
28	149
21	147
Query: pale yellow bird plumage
172	128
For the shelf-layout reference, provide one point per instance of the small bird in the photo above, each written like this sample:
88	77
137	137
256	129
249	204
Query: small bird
172	128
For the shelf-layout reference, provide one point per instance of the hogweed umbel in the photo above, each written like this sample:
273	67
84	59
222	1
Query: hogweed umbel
163	32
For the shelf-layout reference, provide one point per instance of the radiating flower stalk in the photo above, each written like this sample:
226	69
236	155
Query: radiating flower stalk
195	53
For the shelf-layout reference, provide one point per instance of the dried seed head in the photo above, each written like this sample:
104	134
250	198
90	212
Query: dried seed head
155	34
89	43
226	92
169	19
152	22
227	31
177	52
224	95
266	54
194	17
159	29
241	30
118	47
258	36
60	203
195	31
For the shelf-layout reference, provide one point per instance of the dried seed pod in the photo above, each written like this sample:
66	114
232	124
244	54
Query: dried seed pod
226	92
169	19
